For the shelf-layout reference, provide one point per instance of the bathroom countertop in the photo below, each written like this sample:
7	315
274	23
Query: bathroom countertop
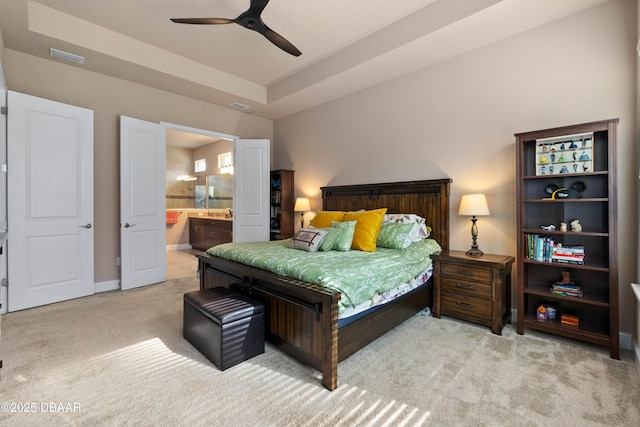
218	218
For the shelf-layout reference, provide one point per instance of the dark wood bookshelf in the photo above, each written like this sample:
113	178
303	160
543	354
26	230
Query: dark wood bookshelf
282	201
595	208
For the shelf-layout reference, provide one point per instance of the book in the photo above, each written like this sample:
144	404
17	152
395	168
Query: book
567	319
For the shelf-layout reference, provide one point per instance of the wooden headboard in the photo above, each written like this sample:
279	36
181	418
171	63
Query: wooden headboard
428	199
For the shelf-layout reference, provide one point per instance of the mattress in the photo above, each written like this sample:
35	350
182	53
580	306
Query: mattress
363	278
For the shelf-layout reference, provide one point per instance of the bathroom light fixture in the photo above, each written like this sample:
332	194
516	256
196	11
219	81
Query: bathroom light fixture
474	205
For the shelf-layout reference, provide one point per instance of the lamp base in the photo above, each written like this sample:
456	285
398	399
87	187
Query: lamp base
474	251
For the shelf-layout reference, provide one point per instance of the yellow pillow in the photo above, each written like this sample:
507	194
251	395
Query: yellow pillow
324	218
367	228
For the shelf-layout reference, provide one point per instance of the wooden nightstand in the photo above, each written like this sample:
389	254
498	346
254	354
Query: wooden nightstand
477	289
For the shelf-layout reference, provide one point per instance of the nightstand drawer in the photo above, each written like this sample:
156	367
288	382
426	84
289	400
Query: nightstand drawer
466	307
467	272
470	288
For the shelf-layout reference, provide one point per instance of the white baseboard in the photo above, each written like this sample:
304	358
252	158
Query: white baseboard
626	341
111	285
636	354
180	247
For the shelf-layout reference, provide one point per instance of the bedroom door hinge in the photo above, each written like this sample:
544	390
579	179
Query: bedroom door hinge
4	110
5	282
3	167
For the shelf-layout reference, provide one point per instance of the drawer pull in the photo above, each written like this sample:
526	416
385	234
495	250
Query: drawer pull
464	304
467	287
468	273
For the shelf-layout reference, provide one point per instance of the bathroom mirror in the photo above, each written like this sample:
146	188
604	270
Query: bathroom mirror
220	191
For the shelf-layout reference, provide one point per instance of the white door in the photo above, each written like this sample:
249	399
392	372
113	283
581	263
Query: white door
142	203
251	190
50	200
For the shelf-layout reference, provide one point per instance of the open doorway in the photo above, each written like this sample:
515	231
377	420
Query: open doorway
192	191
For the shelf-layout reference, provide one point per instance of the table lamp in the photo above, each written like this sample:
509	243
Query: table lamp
302	205
474	205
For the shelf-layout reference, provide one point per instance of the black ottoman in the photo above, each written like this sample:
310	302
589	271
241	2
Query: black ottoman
225	326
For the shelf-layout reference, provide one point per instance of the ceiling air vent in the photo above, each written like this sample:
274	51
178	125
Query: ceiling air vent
240	106
66	56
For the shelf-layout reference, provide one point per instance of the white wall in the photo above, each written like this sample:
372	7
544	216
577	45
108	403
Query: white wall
636	308
457	119
3	181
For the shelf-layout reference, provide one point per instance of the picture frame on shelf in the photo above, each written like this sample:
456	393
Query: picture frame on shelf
564	155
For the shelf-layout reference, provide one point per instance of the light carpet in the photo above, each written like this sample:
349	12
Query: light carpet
119	359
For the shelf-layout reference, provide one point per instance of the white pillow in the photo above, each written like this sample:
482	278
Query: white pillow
420	230
308	239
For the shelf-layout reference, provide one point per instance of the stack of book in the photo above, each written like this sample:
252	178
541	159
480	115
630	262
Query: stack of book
545	249
566	289
568	254
538	248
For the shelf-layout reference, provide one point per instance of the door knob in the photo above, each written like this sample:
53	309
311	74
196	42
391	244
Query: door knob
127	225
85	226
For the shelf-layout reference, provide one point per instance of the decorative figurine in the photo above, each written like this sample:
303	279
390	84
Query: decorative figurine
564	169
573	145
543	170
566	278
553	157
543	160
551	169
563	226
584	156
575	225
562	158
541	313
549	227
575	156
575	167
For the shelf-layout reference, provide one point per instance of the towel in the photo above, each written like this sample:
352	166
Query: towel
172	217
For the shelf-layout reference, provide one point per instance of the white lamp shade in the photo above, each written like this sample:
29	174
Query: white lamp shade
302	205
473	205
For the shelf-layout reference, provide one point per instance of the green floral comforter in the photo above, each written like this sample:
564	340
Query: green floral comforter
357	275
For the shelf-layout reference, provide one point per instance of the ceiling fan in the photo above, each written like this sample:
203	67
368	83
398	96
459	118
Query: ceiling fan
250	19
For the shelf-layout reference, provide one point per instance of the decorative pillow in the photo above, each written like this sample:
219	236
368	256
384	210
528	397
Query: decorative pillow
323	219
420	229
307	239
367	228
347	229
395	235
329	241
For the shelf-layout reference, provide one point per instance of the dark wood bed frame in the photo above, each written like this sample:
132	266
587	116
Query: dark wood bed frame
302	318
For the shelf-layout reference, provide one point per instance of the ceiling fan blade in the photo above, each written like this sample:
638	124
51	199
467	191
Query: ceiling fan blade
203	21
256	8
280	41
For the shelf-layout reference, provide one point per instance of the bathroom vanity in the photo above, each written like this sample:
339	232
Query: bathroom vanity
205	232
